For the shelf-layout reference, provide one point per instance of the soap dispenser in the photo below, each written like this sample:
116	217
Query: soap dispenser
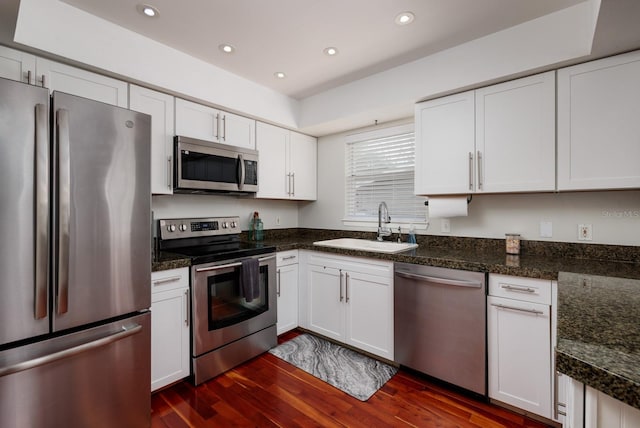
412	235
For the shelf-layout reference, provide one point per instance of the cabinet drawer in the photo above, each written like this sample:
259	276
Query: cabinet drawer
169	279
526	289
286	258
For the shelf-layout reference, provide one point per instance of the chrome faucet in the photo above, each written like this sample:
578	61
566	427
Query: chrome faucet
383	231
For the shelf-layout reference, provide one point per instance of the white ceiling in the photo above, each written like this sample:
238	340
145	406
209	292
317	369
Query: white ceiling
290	35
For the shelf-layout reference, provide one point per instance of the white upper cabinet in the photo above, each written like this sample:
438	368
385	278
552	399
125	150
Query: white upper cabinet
16	65
493	140
287	168
207	123
303	166
598	126
64	78
515	135
445	145
160	107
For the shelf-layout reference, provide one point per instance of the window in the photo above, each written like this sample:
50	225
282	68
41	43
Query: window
379	167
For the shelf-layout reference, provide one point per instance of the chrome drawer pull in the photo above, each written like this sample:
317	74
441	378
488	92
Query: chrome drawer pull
165	280
531	311
516	288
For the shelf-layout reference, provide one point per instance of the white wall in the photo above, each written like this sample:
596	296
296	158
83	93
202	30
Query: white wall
187	206
615	216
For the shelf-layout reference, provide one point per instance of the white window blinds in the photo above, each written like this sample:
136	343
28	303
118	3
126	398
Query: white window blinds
379	167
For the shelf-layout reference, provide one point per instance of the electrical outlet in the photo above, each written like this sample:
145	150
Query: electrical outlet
445	226
277	220
585	232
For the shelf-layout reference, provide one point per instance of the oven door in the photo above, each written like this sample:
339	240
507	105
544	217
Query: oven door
206	166
221	313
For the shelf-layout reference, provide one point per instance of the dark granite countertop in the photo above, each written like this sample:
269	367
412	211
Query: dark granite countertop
599	333
598	324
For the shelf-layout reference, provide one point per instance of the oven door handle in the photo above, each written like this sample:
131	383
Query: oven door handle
230	265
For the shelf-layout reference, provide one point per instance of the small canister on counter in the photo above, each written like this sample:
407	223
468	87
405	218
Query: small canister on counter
512	241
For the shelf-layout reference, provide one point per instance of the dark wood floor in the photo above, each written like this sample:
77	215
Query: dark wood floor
268	392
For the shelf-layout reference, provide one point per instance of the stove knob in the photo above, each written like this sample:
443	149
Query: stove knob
183	227
233	225
171	228
225	224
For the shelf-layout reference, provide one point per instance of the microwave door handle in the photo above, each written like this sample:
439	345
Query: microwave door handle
241	172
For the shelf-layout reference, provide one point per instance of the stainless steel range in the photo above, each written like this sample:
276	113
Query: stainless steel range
233	292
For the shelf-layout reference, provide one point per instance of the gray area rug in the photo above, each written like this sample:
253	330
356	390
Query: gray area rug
347	370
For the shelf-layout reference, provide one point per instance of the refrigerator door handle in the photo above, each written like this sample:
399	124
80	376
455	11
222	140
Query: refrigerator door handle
42	211
70	352
64	210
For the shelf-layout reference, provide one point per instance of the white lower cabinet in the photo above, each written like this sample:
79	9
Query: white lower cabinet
519	343
350	300
170	320
602	410
287	290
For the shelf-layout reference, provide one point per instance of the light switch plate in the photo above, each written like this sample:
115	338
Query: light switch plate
445	226
546	229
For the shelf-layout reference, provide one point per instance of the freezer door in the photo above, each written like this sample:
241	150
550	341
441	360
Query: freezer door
95	378
103	211
24	208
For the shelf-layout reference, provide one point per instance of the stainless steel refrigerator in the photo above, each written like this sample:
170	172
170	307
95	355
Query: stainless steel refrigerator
75	262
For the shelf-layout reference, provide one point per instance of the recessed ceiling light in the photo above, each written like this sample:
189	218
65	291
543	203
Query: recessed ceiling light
227	48
279	74
148	10
404	18
330	51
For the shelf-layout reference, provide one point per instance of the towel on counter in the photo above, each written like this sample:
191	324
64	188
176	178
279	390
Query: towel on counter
250	279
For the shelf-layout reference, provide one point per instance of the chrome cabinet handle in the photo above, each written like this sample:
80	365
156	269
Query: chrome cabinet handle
169	172
346	285
288	184
217	125
341	295
479	170
443	281
288	258
29	77
224	128
278	283
188	308
518	288
293	186
512	308
161	281
42	210
41	81
64	209
70	352
470	171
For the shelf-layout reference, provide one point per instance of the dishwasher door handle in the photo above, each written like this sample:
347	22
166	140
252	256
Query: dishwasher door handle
443	281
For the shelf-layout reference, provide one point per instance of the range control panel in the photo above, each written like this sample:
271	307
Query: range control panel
195	227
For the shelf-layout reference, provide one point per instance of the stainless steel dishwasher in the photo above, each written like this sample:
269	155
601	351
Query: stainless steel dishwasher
440	319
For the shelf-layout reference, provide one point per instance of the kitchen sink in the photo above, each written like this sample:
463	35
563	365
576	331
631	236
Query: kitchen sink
367	245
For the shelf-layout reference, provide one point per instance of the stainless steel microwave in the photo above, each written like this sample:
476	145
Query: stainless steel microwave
203	166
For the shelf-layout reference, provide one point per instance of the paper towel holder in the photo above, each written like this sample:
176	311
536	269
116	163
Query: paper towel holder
469	198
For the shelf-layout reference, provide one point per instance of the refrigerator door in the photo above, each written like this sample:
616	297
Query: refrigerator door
95	378
24	210
103	211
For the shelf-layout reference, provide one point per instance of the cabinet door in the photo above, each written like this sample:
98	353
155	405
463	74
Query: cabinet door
160	107
369	323
519	351
273	178
64	78
169	337
515	135
238	131
197	121
16	65
603	411
287	298
445	136
302	166
325	307
598	126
